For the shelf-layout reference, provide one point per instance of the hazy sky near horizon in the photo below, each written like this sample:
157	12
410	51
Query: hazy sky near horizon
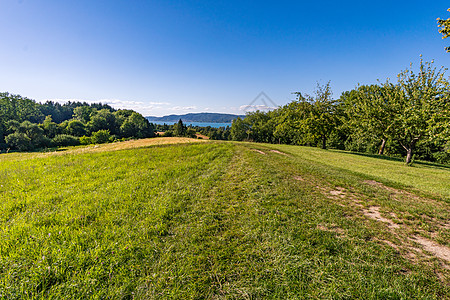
165	57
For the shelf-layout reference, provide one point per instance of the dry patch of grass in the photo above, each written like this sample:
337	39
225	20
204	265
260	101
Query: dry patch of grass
259	151
130	144
279	152
202	136
415	247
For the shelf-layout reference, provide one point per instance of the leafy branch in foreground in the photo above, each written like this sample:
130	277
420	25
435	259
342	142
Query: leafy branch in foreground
444	26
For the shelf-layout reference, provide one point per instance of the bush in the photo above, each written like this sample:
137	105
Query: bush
19	141
65	140
442	157
42	142
100	137
85	140
167	133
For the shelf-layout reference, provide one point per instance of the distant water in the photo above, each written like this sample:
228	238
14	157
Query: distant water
201	124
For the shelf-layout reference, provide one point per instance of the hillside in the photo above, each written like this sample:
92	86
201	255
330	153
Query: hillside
197	117
195	220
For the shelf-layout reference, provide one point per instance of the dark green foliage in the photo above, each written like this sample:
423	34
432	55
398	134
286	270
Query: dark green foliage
75	128
85	140
179	129
100	137
19	141
26	136
65	140
135	125
51	129
24	120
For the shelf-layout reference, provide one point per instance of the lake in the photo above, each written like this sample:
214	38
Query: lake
201	124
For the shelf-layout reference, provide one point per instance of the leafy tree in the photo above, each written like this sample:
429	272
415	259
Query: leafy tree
289	128
65	140
321	120
239	130
75	128
179	129
260	127
100	137
421	103
85	140
19	141
51	129
26	136
84	113
370	111
135	125
18	108
444	26
103	119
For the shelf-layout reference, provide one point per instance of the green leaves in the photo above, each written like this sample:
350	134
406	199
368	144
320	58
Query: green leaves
444	28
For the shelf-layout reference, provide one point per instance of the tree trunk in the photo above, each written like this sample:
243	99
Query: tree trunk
409	155
324	142
383	144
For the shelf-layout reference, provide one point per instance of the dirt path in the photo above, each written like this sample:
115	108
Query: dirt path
411	244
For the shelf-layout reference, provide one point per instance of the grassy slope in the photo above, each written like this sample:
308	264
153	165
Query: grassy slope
425	177
210	220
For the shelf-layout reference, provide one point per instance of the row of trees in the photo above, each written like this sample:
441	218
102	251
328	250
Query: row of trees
410	116
24	127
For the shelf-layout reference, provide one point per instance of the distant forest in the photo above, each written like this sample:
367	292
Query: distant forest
26	125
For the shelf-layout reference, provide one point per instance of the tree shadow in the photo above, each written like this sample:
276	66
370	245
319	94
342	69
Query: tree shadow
398	159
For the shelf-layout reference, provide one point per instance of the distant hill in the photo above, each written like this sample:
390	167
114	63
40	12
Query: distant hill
197	117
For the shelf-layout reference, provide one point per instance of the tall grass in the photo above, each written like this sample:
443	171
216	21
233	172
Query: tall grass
199	221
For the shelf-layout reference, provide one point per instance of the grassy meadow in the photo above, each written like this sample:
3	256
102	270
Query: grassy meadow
221	220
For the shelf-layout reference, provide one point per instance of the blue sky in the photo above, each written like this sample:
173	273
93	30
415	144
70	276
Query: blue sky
164	57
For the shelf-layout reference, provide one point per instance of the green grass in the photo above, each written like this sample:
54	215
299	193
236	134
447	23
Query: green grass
215	220
425	177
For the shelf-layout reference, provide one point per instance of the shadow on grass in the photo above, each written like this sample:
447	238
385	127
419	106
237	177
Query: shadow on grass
390	158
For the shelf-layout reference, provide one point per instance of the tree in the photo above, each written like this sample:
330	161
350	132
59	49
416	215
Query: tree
421	103
65	140
103	119
100	137
444	26
51	129
179	129
26	136
135	125
289	121
239	129
75	128
321	120
84	113
19	141
369	110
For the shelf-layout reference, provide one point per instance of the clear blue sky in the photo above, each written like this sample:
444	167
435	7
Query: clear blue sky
162	57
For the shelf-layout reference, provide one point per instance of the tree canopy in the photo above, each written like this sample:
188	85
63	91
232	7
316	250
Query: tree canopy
26	125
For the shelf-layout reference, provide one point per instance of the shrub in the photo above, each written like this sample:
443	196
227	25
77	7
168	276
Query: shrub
19	141
85	140
100	137
167	133
65	140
